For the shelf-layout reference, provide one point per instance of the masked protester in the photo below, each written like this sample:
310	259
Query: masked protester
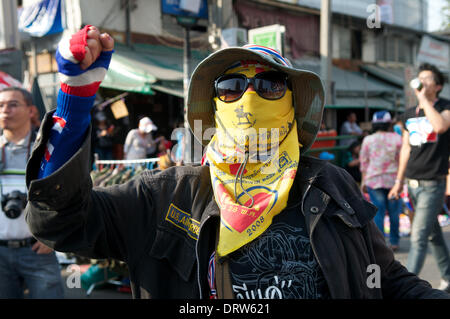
258	220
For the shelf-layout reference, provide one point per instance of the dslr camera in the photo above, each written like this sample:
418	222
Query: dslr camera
14	203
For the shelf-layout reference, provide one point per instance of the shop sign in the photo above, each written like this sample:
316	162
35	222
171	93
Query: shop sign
434	52
119	109
270	36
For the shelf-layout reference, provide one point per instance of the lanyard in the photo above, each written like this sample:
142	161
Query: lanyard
211	276
4	158
417	111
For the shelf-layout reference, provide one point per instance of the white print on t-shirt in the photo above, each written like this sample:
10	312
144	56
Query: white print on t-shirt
272	292
283	266
420	131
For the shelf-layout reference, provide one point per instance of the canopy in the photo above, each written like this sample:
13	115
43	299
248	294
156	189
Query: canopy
144	68
353	90
391	75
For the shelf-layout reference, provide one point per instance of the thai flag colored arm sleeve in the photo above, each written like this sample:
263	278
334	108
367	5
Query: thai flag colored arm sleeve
68	131
75	100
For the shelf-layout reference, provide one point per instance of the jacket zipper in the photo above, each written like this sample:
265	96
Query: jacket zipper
198	258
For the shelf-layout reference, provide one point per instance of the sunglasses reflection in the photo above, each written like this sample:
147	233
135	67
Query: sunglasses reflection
269	85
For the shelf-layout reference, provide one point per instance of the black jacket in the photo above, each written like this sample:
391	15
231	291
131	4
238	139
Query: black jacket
163	225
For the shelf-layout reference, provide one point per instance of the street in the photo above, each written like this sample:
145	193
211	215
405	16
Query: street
430	271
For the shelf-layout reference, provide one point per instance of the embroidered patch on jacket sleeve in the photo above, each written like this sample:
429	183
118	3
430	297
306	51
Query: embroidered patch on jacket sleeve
183	221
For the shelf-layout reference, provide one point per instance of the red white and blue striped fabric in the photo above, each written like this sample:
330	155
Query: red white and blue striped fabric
58	125
75	99
212	276
74	80
48	151
270	52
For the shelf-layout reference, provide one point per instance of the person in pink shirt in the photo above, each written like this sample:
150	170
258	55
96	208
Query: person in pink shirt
379	157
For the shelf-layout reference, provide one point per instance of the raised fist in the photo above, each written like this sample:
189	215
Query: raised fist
83	61
95	43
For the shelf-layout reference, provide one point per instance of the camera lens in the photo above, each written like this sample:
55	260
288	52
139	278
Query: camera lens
12	209
13	204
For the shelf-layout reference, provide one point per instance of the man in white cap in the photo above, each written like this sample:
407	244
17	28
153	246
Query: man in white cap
248	224
139	142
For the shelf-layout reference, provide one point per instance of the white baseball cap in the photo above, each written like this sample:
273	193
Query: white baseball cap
146	125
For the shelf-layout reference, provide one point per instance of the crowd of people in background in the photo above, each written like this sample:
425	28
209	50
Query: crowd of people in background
143	142
372	159
407	158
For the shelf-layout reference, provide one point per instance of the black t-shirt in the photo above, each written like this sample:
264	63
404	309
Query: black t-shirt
429	151
280	264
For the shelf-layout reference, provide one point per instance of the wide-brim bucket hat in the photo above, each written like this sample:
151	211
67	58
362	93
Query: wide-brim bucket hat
307	88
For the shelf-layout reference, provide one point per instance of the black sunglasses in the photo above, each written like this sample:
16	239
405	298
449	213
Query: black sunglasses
270	85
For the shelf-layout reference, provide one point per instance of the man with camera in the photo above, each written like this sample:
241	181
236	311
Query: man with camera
25	263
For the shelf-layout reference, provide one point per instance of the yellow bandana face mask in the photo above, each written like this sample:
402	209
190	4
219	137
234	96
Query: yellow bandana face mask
253	160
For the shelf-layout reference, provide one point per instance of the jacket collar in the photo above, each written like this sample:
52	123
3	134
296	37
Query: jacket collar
211	210
324	183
